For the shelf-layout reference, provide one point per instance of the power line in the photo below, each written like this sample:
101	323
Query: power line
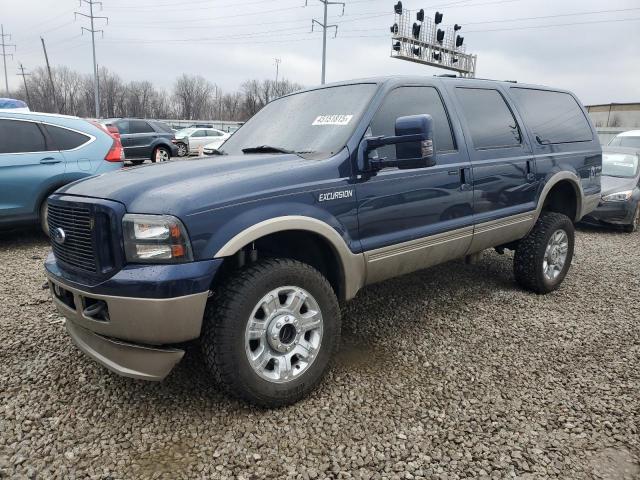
93	32
5	55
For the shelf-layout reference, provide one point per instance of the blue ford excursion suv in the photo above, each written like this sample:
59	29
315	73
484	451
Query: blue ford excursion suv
321	193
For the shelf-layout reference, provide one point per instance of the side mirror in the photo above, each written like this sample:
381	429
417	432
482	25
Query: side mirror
413	141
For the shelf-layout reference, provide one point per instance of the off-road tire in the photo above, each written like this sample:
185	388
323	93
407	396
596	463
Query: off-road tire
529	256
226	317
633	227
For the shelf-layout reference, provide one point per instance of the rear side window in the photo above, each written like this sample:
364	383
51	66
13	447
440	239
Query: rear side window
198	133
139	126
405	101
553	117
163	127
213	133
21	137
64	139
625	141
490	121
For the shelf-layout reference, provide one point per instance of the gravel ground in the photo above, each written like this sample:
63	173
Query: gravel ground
449	373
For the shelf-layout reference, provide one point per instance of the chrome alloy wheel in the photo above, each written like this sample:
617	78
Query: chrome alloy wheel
162	155
284	333
555	255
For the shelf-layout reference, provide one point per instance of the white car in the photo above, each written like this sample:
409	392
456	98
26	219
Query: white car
189	140
630	138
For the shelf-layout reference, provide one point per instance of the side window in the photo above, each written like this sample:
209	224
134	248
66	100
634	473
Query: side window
163	127
213	133
21	137
198	133
123	127
64	139
554	117
490	121
412	101
140	126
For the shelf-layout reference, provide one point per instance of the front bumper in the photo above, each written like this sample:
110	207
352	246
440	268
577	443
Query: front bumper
613	213
129	335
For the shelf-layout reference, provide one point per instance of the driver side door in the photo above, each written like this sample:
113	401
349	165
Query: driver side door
416	217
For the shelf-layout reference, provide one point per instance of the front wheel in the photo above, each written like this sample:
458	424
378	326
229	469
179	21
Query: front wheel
161	154
543	257
44	217
270	332
182	149
633	226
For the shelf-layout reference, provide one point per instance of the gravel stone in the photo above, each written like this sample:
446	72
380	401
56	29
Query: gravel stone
449	373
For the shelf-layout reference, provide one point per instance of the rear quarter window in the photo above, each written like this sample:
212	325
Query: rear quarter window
65	139
552	117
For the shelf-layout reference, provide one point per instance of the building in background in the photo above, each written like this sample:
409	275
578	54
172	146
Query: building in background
613	118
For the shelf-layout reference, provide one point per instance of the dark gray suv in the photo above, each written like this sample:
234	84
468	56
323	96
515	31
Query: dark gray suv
142	139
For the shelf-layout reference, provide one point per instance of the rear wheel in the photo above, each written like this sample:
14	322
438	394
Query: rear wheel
270	332
633	226
543	257
161	154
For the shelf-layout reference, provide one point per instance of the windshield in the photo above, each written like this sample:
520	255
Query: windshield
619	165
185	132
314	124
625	141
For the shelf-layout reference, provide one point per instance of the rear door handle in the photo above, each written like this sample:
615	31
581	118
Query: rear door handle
50	160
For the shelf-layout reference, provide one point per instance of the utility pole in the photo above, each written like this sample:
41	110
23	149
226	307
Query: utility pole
24	79
278	61
53	90
324	27
5	55
93	32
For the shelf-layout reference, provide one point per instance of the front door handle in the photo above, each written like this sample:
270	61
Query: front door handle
531	176
50	160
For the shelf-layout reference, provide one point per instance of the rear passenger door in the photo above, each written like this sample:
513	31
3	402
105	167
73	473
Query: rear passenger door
413	218
141	136
29	167
504	181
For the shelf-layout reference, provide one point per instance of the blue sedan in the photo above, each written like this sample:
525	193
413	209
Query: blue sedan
41	152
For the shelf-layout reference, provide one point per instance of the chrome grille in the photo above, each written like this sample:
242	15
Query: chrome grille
77	249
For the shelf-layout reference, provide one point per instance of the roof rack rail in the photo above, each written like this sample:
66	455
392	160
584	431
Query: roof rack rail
448	75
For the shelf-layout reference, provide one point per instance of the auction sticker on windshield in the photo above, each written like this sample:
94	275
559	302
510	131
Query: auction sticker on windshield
332	120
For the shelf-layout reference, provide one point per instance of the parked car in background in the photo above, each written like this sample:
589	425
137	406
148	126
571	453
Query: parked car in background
189	140
620	204
144	139
13	105
212	148
41	152
630	139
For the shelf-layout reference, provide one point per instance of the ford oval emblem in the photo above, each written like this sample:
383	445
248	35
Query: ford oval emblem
58	236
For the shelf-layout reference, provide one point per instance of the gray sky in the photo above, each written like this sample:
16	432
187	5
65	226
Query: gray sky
229	41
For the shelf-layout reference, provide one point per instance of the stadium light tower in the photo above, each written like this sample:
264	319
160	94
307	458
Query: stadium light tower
426	41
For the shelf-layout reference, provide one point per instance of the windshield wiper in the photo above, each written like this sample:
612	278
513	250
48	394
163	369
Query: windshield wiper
266	149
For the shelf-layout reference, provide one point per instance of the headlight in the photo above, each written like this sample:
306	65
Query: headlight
618	196
155	239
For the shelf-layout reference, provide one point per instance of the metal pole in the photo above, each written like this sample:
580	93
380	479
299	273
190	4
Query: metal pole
324	41
277	69
95	66
4	60
53	90
24	79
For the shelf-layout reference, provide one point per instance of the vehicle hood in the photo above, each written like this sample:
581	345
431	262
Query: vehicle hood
190	186
617	184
